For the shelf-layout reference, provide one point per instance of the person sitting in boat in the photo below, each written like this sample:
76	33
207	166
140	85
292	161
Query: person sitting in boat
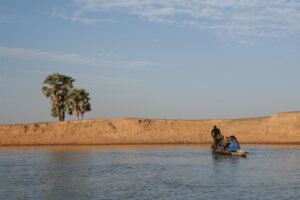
216	134
227	142
234	144
238	144
224	144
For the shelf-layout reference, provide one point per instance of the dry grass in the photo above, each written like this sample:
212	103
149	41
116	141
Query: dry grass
281	128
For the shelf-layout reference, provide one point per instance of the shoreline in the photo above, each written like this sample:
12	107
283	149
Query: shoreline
147	144
278	129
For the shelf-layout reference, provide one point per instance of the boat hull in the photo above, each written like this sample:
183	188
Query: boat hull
238	153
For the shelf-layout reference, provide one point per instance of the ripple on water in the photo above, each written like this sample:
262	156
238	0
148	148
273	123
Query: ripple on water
158	172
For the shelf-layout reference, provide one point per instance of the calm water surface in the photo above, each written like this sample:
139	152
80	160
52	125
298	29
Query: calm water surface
148	172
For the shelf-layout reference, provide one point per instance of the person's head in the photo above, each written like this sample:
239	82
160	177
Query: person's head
215	126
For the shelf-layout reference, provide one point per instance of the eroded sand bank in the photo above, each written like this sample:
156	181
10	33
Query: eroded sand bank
282	128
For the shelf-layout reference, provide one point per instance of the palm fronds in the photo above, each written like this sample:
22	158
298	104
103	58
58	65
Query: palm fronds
59	88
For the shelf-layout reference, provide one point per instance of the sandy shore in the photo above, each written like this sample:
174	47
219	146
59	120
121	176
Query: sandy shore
282	128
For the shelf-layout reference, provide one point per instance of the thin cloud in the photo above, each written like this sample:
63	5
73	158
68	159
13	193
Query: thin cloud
247	42
235	19
71	58
74	18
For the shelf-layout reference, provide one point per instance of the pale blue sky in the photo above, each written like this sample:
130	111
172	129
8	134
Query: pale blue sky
156	59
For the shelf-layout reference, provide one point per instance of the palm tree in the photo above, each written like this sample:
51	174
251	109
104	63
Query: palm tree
78	102
57	86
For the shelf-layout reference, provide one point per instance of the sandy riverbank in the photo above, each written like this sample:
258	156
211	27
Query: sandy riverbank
282	128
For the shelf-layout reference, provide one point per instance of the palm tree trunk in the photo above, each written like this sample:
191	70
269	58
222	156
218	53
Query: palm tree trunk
61	112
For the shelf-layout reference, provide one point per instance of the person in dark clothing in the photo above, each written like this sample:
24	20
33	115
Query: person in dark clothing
227	140
216	134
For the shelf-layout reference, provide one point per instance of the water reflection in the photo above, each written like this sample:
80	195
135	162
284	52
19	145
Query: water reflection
67	175
100	148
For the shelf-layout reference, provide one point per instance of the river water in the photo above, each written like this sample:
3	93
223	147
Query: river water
148	172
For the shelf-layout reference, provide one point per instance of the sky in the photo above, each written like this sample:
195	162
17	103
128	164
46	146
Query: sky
175	59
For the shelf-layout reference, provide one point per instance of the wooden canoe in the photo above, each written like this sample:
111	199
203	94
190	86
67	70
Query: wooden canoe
237	153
